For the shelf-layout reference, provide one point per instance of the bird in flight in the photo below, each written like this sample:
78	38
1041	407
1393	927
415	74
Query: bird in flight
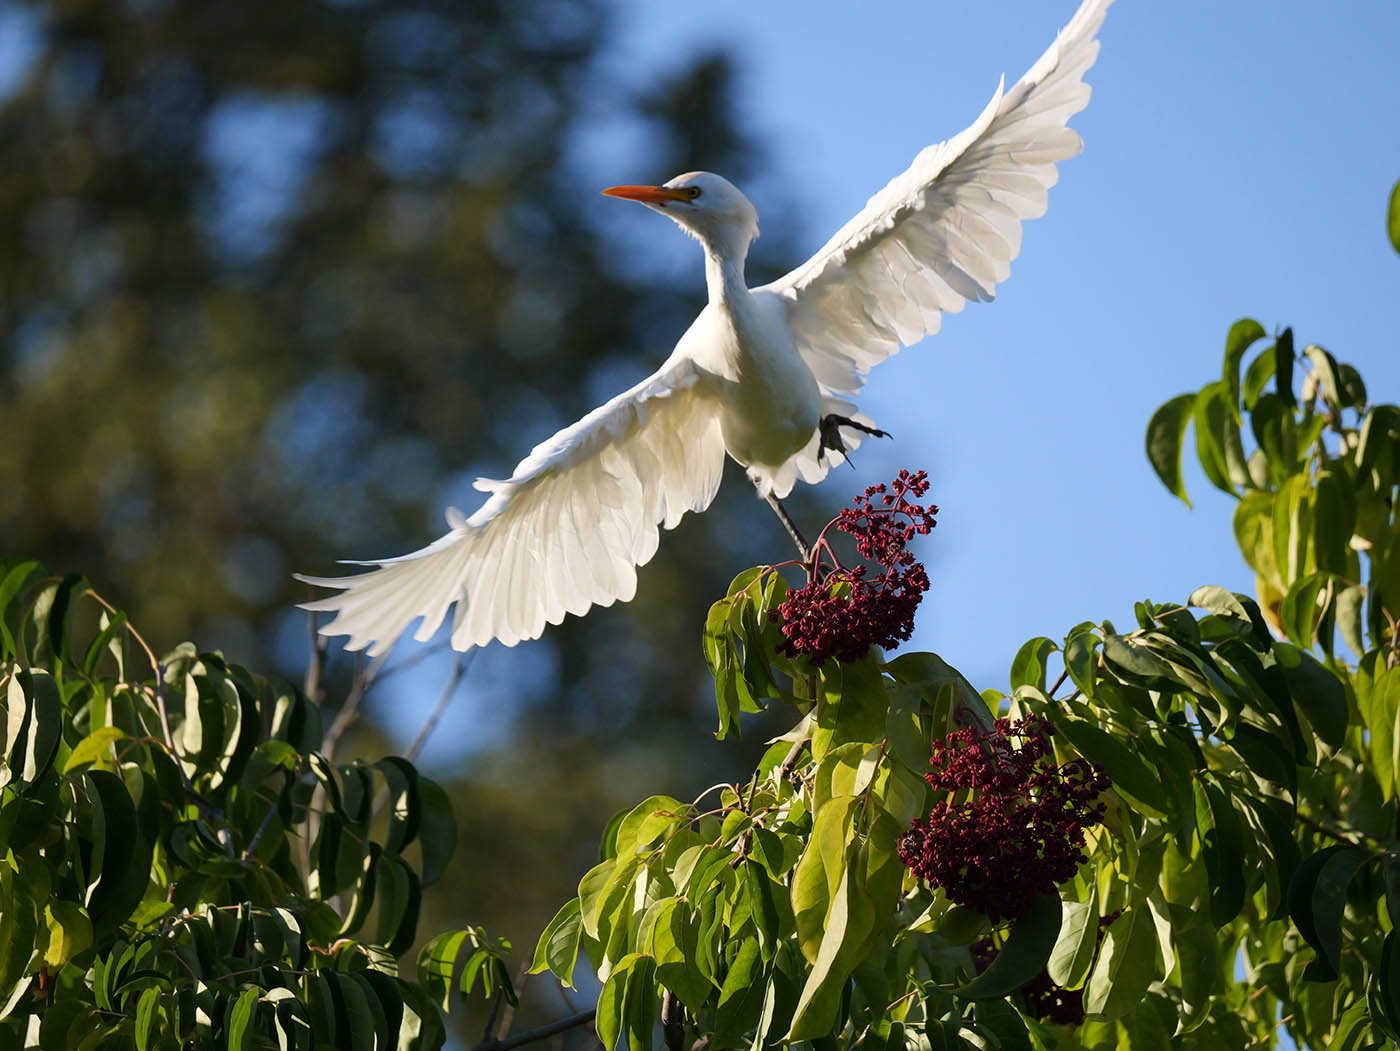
762	375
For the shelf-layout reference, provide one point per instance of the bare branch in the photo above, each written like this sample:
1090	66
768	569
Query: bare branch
543	1032
458	670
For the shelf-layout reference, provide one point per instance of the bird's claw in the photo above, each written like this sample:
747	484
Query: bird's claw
830	431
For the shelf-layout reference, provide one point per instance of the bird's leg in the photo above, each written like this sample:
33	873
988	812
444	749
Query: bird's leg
803	550
830	429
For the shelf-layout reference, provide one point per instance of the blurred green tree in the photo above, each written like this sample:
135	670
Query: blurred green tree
275	276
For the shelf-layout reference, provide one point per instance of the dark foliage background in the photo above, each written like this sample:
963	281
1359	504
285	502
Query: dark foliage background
277	279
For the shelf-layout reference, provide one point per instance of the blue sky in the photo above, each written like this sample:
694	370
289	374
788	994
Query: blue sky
1237	162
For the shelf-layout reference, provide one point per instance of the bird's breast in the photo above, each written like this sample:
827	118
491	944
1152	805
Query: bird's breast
768	401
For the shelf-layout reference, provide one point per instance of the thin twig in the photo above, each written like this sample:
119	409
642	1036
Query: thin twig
365	678
459	669
541	1033
319	643
804	550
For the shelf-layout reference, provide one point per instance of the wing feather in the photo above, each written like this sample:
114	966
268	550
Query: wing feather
565	532
945	231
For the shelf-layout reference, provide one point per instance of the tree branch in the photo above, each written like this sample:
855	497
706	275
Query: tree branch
459	669
543	1032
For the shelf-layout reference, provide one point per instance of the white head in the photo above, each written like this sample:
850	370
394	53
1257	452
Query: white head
706	206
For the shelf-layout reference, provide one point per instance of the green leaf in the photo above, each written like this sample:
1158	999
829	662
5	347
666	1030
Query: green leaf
19	927
1165	433
1081	654
557	949
1325	369
741	995
1243	334
1317	900
1126	966
1073	953
147	1018
1028	667
611	1000
820	872
1299	612
1317	692
648	820
1218	445
34	724
849	923
1218	825
399	897
437	832
405	802
241	1036
852	706
1283	372
1387	978
1260	371
1027	949
70	932
1392	217
14	575
673	944
1131	775
120	864
91	748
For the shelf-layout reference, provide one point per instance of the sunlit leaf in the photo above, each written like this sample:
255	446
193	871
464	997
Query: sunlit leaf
1165	432
1126	965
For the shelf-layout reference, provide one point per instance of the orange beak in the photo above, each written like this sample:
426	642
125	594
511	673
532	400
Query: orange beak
646	194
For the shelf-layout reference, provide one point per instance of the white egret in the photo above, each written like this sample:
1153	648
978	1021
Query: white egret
762	375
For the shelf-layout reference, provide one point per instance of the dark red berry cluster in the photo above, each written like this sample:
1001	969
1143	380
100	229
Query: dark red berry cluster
842	612
1013	825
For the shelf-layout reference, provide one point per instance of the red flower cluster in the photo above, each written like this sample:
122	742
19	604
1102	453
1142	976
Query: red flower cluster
840	613
1015	827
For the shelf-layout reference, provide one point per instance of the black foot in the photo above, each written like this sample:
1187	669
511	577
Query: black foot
831	432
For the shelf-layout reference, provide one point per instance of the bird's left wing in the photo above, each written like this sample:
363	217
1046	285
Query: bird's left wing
946	230
565	532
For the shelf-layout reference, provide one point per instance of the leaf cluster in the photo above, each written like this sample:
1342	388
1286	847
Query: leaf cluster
182	867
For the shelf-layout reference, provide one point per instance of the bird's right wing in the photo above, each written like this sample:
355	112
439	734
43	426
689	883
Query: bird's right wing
946	230
565	532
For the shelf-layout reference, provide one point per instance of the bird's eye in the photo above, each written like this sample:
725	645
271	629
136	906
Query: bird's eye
692	192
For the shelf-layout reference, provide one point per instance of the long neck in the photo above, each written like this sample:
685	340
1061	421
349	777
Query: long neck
724	272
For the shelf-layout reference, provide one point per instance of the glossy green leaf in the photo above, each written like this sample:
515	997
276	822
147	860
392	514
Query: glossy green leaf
1392	217
1218	825
673	945
34	723
1243	334
241	1034
70	932
121	857
437	832
648	820
849	923
1284	359
405	802
557	949
1326	373
1028	666
1125	767
1126	966
93	748
1316	691
741	994
1165	433
1027	950
1073	953
1317	900
1218	446
15	574
820	871
20	923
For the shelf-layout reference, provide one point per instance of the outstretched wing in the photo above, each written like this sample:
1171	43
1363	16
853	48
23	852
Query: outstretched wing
565	532
946	230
